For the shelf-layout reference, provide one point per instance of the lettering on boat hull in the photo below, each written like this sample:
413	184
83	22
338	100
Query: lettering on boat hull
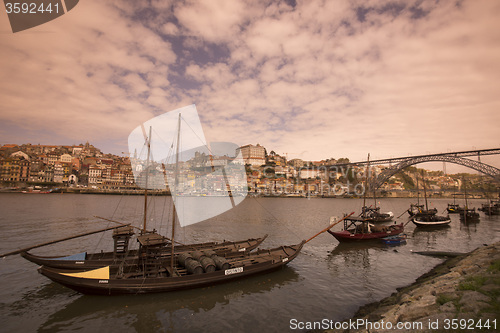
233	271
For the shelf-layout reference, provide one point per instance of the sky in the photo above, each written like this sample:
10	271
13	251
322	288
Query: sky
307	79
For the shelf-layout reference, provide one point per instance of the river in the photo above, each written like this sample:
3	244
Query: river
326	281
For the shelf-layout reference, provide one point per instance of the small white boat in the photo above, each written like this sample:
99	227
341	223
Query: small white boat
431	221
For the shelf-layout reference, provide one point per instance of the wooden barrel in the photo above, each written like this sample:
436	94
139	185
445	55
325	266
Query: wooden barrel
207	264
183	258
220	262
193	267
197	255
209	253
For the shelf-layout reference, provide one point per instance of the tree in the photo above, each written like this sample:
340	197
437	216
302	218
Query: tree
343	160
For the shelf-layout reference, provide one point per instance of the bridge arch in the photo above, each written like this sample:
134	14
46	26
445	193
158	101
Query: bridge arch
476	165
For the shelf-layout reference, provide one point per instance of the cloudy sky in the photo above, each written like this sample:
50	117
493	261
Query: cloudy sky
313	79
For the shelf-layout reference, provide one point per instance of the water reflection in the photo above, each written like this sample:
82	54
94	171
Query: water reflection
429	236
150	312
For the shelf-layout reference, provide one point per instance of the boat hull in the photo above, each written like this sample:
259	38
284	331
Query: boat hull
394	240
431	221
348	236
469	216
97	260
242	265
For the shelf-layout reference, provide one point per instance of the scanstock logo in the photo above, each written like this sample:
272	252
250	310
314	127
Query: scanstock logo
28	14
170	152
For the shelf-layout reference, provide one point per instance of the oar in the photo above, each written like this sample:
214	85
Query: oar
329	227
402	214
409	220
56	241
103	218
109	220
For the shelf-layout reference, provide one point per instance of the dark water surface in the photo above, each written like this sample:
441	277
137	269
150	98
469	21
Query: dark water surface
326	280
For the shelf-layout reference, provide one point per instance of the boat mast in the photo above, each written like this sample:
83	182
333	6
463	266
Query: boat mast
425	192
366	186
148	141
454	192
174	212
418	193
465	194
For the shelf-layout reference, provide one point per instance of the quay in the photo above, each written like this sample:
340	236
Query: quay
460	293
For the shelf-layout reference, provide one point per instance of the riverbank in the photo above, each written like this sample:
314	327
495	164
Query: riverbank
78	190
460	294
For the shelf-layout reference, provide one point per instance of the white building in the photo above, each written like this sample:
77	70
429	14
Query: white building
66	158
58	172
20	154
253	155
95	173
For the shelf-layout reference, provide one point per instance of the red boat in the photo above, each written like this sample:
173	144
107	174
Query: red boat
357	229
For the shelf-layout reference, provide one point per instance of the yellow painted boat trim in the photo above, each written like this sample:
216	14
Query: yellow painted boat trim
100	273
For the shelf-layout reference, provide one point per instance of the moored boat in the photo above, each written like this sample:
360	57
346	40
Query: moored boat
418	210
454	208
429	218
360	229
374	215
431	221
85	261
469	216
395	240
111	280
491	208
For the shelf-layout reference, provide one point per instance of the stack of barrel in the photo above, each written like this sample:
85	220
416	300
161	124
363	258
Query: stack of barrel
198	262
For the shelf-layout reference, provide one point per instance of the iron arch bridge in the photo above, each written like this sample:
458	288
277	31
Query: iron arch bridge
476	165
399	163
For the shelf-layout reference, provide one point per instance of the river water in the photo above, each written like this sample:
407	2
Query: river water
326	281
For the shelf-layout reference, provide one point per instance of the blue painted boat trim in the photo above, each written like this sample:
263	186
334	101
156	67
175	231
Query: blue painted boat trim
78	256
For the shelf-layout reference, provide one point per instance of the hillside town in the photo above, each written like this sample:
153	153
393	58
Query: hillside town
88	169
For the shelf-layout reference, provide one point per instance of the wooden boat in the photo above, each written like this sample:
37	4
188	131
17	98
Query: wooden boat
395	240
85	261
431	220
427	218
468	215
491	208
417	210
360	229
454	208
374	215
112	281
36	192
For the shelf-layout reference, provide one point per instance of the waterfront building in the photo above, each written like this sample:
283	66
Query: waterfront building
15	169
58	172
253	155
95	173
